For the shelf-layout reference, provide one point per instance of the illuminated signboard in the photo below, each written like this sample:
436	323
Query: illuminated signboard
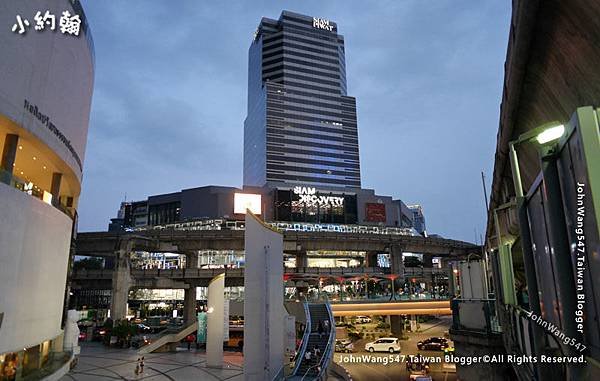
322	24
243	201
309	196
375	212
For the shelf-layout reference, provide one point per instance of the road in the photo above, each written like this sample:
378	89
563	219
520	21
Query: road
364	366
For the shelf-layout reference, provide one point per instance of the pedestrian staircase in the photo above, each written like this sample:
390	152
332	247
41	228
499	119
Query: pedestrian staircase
169	338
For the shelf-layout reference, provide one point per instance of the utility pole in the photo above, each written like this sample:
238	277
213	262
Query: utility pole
487	207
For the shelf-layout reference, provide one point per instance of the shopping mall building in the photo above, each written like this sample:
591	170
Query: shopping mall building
46	82
306	207
301	150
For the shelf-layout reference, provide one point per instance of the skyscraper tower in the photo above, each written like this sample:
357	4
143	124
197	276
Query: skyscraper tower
300	126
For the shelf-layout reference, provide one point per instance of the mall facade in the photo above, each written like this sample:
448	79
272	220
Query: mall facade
46	84
302	205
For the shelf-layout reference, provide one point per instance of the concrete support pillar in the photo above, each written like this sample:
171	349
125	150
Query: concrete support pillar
189	305
191	259
301	259
121	284
397	262
397	325
189	294
55	188
371	259
451	282
9	154
427	260
19	373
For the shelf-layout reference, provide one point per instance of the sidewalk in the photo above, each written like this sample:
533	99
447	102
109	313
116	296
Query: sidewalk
97	362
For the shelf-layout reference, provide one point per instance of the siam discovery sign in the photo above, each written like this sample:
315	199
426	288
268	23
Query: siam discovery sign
309	196
322	24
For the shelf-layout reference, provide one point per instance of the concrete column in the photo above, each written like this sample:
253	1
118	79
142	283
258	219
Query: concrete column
189	294
191	259
397	326
121	283
371	259
55	188
301	259
397	261
189	305
451	282
427	260
9	152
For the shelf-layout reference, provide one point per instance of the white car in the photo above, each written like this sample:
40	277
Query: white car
362	320
384	344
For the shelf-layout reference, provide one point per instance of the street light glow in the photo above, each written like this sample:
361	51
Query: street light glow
550	134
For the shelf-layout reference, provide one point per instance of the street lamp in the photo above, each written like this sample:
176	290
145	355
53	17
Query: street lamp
545	135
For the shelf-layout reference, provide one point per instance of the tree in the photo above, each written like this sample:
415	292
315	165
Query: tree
411	261
89	264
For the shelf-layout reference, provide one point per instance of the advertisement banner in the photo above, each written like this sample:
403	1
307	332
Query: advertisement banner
375	212
201	336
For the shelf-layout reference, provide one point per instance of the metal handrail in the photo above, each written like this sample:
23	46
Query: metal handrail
328	353
305	338
279	375
308	370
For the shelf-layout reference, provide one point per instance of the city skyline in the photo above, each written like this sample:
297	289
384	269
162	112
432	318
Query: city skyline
133	106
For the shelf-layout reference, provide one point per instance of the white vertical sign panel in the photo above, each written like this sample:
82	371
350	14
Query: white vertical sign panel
226	320
214	322
264	329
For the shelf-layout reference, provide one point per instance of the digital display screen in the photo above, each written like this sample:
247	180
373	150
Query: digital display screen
244	201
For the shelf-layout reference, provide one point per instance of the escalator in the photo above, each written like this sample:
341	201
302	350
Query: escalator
316	367
169	339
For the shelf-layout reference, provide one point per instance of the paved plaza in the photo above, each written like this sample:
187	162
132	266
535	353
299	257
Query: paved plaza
98	362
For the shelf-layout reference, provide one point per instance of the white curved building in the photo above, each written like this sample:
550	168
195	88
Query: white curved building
46	83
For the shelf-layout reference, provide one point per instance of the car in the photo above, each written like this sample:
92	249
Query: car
384	344
420	377
344	345
99	333
362	320
449	350
433	344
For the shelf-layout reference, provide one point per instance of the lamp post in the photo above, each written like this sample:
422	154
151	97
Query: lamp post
546	134
547	137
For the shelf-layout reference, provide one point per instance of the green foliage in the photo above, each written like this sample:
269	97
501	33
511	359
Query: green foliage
411	261
89	264
123	329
